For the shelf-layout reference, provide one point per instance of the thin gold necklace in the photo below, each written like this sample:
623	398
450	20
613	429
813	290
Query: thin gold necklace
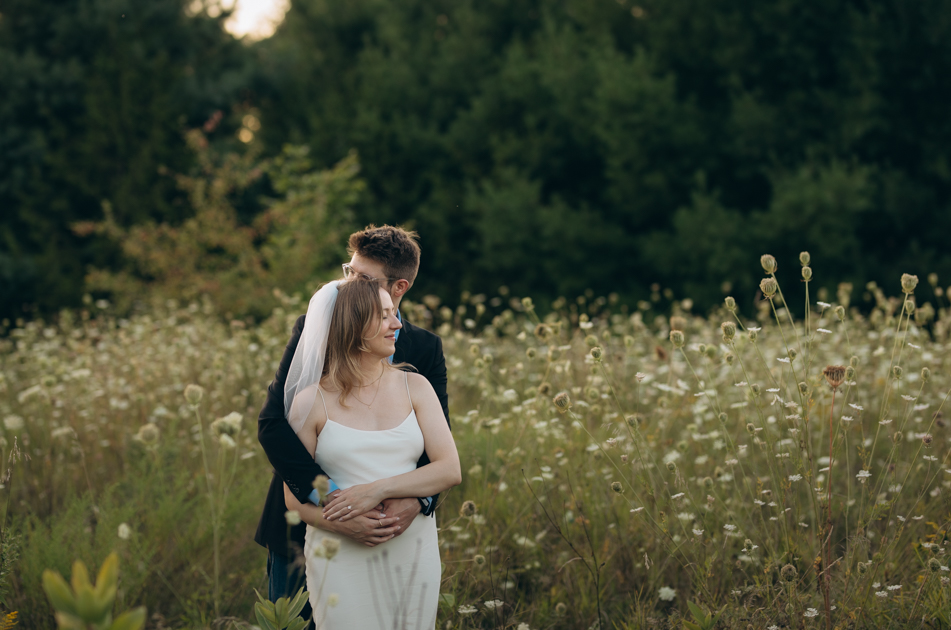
378	378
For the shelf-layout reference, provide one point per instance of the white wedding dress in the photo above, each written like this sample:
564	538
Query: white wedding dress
393	586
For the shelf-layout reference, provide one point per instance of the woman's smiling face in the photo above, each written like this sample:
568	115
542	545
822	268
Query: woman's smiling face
383	344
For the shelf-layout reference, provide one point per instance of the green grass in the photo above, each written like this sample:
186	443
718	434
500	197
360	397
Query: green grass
684	435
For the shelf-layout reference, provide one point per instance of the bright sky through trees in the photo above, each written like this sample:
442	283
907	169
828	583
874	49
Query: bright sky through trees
256	19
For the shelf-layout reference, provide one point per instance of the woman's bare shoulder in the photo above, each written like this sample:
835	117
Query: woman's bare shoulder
418	383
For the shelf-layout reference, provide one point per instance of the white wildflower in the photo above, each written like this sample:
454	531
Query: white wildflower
666	593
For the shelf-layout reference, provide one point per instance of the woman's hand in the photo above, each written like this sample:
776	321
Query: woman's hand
353	502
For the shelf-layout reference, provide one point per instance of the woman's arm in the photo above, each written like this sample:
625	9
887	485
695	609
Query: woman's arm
442	473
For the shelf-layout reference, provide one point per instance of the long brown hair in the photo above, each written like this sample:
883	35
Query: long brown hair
357	317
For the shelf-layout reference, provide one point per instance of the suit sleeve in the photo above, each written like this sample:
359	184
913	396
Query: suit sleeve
437	377
284	450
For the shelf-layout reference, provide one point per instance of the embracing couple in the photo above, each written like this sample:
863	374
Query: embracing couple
360	398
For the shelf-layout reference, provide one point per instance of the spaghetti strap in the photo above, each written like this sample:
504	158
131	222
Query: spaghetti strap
326	413
406	380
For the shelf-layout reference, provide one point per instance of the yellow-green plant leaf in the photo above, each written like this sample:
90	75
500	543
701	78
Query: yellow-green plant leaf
108	577
297	604
265	621
58	592
88	606
280	611
130	620
65	621
297	623
691	626
80	577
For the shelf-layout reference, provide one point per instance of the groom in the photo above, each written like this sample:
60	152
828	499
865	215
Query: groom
391	255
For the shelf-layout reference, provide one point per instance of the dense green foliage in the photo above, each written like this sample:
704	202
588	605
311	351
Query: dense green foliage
559	145
550	145
94	98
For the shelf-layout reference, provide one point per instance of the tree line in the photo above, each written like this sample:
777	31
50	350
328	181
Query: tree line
552	146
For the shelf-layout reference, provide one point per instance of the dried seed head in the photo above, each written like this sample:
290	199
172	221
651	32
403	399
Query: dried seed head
560	608
927	440
788	573
752	335
624	458
331	547
897	371
562	402
793	353
807	273
616	486
835	375
854	361
748	545
730	358
722	417
321	484
768	262
863	567
702	348
803	389
925	374
840	313
908	283
730	303
909	307
468	509
542	331
677	338
597	353
531	353
677	323
591	341
769	287
934	565
804	258
849	373
193	394
474	350
479	559
671	466
755	389
729	331
750	428
544	389
707	482
527	304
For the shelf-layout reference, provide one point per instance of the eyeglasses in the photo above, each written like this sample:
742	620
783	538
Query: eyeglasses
349	273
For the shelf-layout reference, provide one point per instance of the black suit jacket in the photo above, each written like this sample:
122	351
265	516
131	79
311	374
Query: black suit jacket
291	461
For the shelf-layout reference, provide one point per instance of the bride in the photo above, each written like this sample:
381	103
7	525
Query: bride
367	423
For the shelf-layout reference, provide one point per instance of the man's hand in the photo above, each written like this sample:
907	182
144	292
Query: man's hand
371	529
405	509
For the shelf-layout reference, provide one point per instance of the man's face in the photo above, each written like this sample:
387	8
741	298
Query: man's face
370	268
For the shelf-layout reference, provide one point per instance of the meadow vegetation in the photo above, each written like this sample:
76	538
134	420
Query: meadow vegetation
620	463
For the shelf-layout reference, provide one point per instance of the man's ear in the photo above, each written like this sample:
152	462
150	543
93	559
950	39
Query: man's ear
399	288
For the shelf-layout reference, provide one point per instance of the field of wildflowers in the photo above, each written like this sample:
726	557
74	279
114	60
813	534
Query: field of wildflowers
624	467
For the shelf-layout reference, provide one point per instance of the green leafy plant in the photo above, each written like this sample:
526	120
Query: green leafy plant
282	614
87	606
704	620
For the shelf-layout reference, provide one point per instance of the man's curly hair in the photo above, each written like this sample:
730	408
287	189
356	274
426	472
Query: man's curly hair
392	246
